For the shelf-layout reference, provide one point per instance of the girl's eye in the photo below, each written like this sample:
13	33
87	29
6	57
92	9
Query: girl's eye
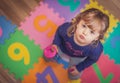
84	26
92	32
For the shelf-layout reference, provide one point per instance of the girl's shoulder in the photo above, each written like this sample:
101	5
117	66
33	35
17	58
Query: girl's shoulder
65	25
62	29
99	46
98	49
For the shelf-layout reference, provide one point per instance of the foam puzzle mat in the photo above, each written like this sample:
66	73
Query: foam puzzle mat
21	47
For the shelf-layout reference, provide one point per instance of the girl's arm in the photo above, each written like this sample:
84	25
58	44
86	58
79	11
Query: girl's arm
61	31
86	63
94	56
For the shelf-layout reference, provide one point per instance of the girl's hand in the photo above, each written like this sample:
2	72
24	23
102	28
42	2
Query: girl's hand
55	46
73	70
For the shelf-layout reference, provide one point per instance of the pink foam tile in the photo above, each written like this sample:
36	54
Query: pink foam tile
89	76
108	66
41	25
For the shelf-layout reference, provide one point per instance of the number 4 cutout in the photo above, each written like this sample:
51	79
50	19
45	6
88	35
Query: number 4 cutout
41	77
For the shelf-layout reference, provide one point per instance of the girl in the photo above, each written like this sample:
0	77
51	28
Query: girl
78	42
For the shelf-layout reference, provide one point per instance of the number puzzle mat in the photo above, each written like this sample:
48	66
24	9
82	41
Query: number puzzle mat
21	47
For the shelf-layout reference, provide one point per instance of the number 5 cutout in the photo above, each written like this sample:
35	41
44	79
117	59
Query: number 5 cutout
48	25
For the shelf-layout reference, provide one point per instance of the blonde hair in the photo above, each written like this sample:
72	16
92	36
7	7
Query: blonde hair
93	18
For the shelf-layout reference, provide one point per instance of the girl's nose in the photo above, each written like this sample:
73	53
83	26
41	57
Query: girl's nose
85	31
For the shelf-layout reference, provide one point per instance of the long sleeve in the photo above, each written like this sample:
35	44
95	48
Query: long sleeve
94	56
61	31
57	38
88	61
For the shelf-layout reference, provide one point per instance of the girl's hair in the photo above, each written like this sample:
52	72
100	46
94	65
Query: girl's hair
93	18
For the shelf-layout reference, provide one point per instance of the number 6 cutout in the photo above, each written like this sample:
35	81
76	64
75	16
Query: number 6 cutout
18	51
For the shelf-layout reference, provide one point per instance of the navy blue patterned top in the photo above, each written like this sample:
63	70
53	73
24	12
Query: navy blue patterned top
69	47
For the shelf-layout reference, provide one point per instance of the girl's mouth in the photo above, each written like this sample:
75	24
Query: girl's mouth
82	37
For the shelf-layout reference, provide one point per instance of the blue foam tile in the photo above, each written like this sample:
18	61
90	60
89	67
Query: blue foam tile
6	28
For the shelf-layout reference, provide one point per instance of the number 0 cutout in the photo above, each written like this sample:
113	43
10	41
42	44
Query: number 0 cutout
18	51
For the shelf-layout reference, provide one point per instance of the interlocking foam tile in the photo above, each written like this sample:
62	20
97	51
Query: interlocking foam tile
1	32
105	71
18	54
46	72
113	21
6	28
112	45
67	8
41	25
108	67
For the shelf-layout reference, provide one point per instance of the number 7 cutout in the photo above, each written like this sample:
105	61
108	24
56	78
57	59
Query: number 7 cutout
41	77
100	76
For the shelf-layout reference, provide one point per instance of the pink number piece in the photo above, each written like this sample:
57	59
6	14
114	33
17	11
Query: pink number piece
0	31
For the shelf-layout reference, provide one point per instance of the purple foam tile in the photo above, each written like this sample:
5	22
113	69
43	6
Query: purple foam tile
65	10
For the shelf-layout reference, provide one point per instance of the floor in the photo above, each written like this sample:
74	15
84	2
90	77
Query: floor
112	6
16	10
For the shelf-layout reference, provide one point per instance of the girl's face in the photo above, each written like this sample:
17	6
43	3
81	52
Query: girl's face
84	35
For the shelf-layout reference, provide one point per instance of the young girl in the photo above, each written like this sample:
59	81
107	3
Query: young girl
78	42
